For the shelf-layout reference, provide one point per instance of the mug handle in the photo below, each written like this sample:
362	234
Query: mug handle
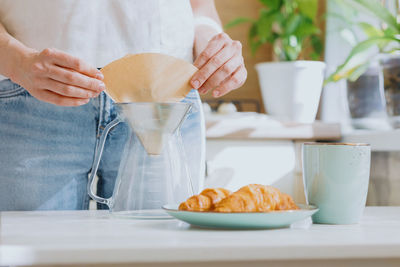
96	162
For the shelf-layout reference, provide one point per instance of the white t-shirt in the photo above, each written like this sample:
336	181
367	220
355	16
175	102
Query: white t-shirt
100	31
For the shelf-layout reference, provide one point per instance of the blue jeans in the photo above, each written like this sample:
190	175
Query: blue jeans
46	151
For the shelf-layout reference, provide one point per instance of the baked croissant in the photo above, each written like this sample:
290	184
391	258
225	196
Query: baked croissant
256	198
286	203
206	200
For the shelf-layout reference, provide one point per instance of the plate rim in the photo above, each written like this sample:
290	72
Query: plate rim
310	208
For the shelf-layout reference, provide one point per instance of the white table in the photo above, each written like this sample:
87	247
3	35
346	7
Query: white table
93	237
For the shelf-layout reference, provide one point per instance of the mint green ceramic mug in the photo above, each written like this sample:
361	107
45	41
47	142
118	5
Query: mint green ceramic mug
336	178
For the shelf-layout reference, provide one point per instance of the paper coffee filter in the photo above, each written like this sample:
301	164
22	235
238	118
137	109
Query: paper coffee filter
148	77
154	123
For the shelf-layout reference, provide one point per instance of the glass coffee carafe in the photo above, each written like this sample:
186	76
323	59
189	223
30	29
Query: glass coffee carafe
153	170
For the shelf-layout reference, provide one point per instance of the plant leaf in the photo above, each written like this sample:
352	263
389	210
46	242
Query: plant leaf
291	47
358	71
306	28
237	21
317	44
253	31
253	39
314	56
264	26
254	45
293	23
345	70
379	11
361	47
349	36
390	32
308	8
370	30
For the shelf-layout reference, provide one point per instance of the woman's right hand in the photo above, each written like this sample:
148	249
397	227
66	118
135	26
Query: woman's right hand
56	77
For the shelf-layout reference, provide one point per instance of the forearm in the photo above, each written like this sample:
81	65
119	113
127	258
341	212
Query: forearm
204	33
218	57
11	53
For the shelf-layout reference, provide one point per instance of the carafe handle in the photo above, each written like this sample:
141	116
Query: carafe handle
96	162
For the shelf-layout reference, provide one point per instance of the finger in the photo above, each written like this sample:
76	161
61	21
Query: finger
221	74
68	90
213	46
75	78
65	60
236	80
219	59
54	98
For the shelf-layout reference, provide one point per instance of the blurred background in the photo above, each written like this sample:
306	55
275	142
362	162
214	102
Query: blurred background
317	71
228	11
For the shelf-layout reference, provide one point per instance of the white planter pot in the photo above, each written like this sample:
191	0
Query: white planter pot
291	90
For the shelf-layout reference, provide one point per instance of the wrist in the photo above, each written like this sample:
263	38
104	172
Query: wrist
20	55
208	22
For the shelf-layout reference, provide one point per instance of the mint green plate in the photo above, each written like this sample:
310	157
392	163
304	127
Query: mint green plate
243	220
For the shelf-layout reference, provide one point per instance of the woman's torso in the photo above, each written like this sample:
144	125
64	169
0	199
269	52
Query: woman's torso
99	31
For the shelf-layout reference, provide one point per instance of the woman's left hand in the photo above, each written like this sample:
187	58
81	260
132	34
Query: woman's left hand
221	66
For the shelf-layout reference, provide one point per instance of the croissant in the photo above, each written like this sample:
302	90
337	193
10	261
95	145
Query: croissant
255	198
286	203
206	200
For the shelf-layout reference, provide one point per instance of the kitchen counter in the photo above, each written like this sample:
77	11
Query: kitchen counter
92	237
257	126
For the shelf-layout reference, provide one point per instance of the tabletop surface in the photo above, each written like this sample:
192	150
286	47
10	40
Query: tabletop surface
67	237
255	126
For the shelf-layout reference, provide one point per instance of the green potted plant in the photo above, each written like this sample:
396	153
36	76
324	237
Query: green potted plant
290	88
372	68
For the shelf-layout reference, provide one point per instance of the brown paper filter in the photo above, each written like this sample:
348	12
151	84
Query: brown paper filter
148	77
